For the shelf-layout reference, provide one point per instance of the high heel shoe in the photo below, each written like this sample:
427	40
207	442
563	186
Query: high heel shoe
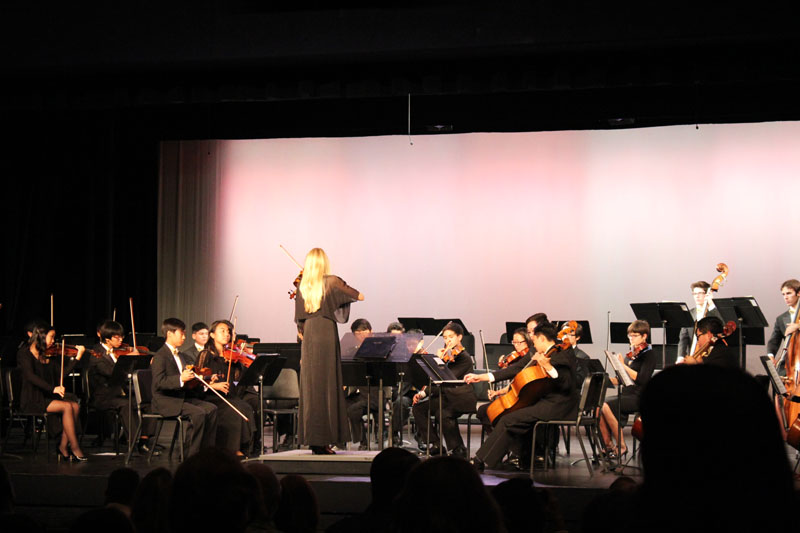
61	456
80	459
322	450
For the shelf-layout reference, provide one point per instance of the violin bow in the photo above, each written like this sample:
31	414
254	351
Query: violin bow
51	309
221	397
235	301
133	327
114	315
233	343
290	257
63	347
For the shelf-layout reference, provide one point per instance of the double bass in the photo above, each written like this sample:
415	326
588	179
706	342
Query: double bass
528	386
790	352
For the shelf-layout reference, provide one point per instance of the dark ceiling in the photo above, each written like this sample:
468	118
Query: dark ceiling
254	69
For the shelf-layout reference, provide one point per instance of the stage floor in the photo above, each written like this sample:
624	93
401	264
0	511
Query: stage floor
57	493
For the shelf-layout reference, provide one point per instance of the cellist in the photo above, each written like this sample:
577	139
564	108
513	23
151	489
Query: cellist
786	322
560	401
712	347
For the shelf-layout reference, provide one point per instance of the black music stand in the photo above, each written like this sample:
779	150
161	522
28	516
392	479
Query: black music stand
511	327
440	375
749	319
123	371
264	370
664	315
586	336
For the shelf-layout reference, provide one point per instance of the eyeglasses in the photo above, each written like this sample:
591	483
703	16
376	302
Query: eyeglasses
517	342
632	335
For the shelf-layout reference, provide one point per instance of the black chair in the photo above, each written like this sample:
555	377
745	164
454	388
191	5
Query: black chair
35	422
282	398
592	398
101	414
143	392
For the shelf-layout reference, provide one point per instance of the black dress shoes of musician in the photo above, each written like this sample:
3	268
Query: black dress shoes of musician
459	451
479	465
322	450
144	448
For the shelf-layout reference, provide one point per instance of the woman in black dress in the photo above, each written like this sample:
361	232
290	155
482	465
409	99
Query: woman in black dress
41	392
322	301
640	363
233	432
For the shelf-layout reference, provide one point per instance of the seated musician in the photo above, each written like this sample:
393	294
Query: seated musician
199	341
712	347
171	396
639	363
357	397
104	396
234	433
511	365
401	406
559	400
456	400
703	302
582	358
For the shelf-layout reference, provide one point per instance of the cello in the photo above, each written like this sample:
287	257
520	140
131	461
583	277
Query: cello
791	408
528	386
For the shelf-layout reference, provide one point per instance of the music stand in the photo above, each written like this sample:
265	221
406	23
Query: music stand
440	375
743	310
264	370
663	315
511	327
123	371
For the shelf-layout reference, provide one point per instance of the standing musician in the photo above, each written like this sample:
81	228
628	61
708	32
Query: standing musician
701	297
40	362
561	400
170	394
639	363
785	322
710	335
200	339
104	396
234	433
456	400
322	301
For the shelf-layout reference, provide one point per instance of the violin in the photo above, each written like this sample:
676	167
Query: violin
704	349
633	355
568	329
204	373
69	350
127	349
238	356
506	360
453	353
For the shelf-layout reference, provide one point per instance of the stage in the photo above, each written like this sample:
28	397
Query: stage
55	493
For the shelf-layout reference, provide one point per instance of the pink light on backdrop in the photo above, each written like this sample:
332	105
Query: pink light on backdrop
494	227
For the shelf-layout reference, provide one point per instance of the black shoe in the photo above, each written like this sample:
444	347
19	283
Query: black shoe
433	449
80	459
538	462
62	457
363	447
459	451
511	464
144	449
479	465
322	450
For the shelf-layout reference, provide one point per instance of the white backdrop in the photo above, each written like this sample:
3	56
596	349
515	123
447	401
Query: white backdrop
495	227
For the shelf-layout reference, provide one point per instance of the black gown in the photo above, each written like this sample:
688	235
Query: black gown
323	411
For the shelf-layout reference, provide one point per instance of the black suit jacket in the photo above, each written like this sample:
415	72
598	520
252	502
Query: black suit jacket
190	354
459	398
168	395
778	331
100	371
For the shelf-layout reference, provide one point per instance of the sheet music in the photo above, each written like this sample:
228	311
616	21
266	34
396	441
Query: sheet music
619	368
777	382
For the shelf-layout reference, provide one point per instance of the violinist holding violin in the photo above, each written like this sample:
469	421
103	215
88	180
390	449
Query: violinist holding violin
639	363
712	348
510	365
42	388
104	396
233	432
456	400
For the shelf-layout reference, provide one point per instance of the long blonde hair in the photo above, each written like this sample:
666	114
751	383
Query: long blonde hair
312	287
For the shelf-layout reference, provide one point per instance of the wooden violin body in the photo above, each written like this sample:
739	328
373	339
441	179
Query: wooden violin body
527	387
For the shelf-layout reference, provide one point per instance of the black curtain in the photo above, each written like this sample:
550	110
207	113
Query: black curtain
79	213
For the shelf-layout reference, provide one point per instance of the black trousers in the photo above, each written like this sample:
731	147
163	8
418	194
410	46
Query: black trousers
508	435
129	418
203	418
448	419
356	409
